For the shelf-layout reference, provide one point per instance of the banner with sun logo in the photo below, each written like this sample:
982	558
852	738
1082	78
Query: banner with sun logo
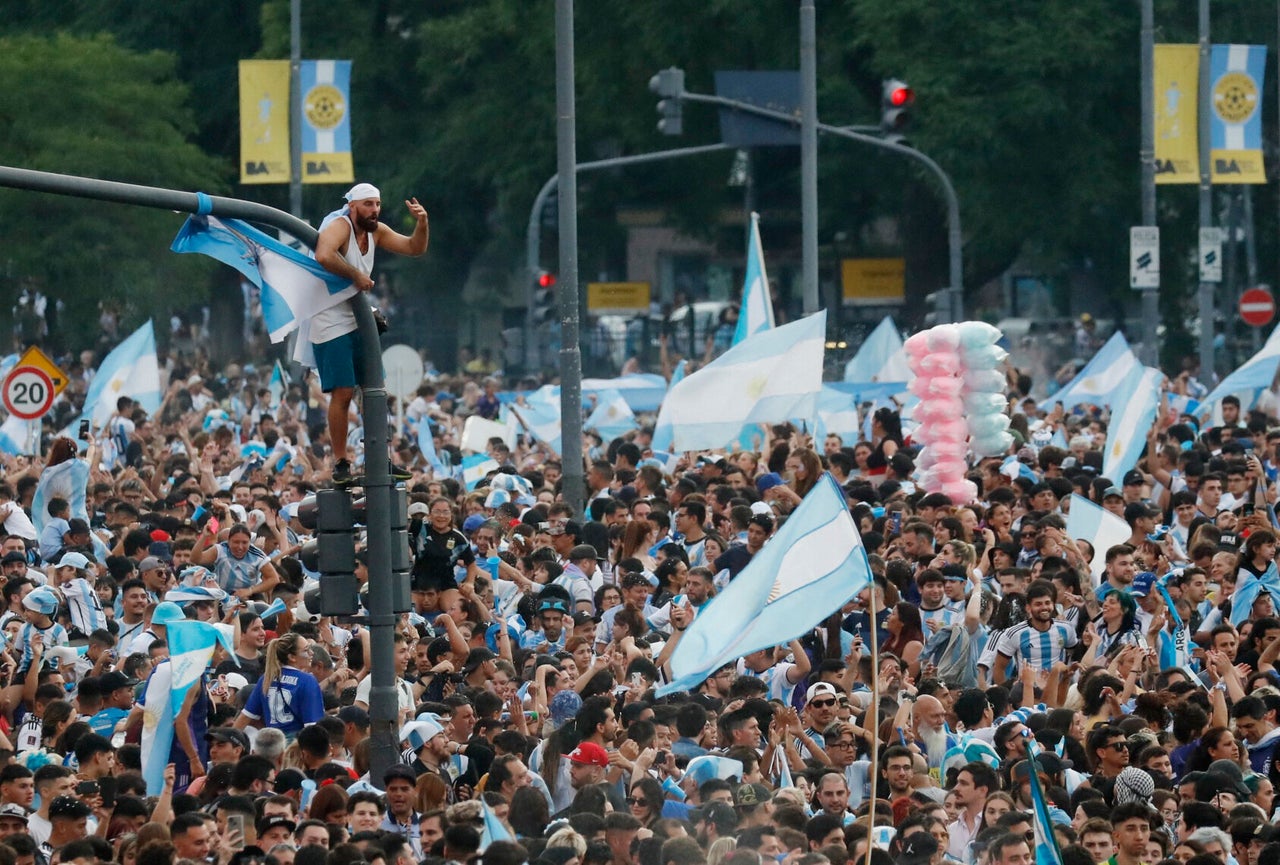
326	121
1235	121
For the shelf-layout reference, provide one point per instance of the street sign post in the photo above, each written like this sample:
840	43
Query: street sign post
1257	307
28	392
1144	257
1211	255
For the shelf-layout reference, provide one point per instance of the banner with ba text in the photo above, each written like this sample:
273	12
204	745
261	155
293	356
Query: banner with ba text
264	121
1236	76
326	121
1176	74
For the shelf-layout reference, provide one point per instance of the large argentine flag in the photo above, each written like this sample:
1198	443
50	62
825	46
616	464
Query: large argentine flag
1098	526
756	313
1097	382
612	416
880	357
813	565
540	415
643	391
129	370
1046	852
294	286
772	377
1250	380
1135	404
191	647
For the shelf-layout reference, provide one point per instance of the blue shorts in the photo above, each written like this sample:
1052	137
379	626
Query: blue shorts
338	361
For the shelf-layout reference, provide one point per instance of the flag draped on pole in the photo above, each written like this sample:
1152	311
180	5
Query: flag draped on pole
129	370
814	564
880	357
294	286
1100	377
191	646
278	384
1135	404
756	313
772	377
1098	526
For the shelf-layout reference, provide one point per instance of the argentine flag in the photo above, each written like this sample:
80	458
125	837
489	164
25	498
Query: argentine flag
1136	402
129	370
475	467
772	377
880	357
15	433
1249	381
643	391
294	286
1098	526
837	413
67	480
1101	376
1046	843
813	565
756	313
612	416
191	647
540	415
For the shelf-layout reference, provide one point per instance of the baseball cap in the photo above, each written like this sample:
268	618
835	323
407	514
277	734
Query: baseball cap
719	813
1133	478
752	794
13	556
918	848
150	563
288	779
589	754
266	824
68	807
166	613
228	734
13	811
418	509
582	617
73	560
1232	771
1142	584
820	688
1113	491
761	509
769	481
471	523
115	680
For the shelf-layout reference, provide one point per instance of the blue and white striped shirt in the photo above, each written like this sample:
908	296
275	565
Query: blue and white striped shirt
234	574
1040	649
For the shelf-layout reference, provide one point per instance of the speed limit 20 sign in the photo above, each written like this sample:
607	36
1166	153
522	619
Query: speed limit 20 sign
30	387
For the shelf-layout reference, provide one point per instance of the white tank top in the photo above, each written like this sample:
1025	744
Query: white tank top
339	319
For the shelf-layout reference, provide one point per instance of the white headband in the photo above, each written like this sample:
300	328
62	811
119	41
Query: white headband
361	191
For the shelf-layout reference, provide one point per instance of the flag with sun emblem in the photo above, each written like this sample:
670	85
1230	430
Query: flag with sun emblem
129	370
1235	118
326	121
771	377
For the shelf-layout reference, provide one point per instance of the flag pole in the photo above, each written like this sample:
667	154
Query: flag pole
873	711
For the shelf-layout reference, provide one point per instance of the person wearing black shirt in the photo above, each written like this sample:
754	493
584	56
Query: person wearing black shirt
442	547
738	556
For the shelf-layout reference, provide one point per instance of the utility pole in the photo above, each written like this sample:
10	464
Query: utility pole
1147	156
1204	295
809	155
295	107
574	486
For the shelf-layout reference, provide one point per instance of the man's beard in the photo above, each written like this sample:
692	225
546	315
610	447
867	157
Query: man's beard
367	223
935	742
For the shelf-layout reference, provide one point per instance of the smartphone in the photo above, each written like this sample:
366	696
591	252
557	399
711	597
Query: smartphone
214	525
1246	511
87	788
83	434
896	522
108	785
235	829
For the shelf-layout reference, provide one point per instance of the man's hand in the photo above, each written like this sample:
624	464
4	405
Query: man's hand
416	210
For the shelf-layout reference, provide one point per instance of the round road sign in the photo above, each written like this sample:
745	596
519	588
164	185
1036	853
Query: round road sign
403	368
28	392
1257	307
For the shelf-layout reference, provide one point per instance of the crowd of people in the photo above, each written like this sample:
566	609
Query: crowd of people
1133	705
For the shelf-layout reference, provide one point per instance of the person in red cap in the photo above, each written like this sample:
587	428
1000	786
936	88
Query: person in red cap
588	764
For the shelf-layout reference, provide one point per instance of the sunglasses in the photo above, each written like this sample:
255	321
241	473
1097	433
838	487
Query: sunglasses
822	704
636	800
1117	746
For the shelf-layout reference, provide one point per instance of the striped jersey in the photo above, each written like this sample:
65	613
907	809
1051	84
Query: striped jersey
54	635
1040	649
944	615
234	574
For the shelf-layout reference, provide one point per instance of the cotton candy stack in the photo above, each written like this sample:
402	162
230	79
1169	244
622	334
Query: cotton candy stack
962	406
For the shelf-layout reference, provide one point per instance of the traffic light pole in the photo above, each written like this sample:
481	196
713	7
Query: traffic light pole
378	487
954	236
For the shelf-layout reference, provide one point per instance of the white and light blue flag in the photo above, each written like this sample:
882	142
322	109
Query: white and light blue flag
880	357
1098	380
772	377
129	370
294	286
1097	525
67	480
612	416
1248	381
475	467
756	313
1135	403
643	391
540	415
1046	843
191	646
813	565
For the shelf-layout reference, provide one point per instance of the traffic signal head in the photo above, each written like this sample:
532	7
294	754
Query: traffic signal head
544	298
546	280
669	84
896	101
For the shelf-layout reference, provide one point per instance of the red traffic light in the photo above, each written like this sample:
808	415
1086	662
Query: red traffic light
901	95
546	280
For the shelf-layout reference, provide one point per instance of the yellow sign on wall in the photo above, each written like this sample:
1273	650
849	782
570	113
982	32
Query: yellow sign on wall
873	281
618	298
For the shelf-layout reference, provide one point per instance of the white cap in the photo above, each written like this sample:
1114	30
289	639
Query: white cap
361	191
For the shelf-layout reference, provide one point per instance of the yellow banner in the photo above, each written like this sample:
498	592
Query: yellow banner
264	121
1177	68
873	281
618	298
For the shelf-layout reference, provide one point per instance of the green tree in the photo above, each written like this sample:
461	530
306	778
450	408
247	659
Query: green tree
89	107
